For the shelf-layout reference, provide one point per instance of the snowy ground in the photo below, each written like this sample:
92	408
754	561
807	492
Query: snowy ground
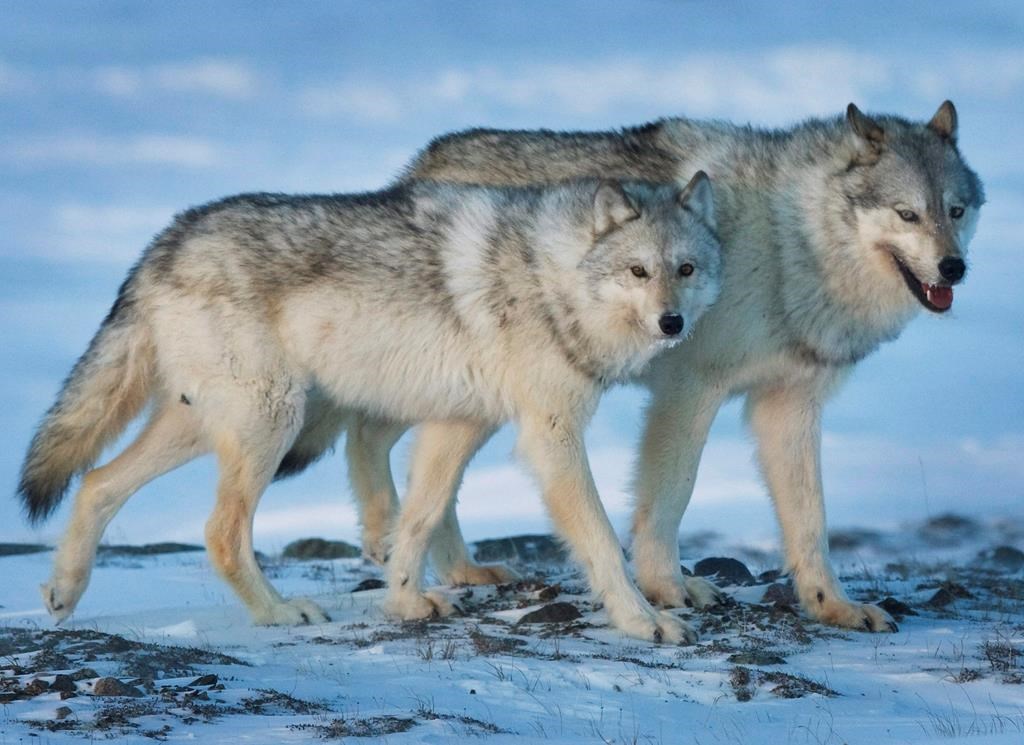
165	626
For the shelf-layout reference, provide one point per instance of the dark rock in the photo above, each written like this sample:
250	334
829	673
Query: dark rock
779	594
725	570
1008	557
36	687
19	549
65	695
372	583
685	572
853	538
86	673
149	549
772	575
941	599
63	712
756	657
523	548
550	592
318	548
63	683
204	680
553	613
896	608
114	687
948	529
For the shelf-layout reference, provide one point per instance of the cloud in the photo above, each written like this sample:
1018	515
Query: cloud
210	76
111	233
360	101
97	150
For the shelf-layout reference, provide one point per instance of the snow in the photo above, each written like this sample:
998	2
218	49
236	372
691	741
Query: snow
946	676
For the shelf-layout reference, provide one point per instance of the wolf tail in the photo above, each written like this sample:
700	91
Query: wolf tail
106	389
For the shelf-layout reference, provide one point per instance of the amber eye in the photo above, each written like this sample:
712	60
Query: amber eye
956	212
908	215
638	271
686	270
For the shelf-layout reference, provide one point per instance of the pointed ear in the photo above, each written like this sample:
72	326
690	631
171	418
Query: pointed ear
612	208
944	122
698	197
870	136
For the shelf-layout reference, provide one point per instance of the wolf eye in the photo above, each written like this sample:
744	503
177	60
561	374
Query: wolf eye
638	271
956	212
685	270
908	215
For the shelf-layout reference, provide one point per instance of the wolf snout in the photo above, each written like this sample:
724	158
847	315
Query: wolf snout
671	324
952	269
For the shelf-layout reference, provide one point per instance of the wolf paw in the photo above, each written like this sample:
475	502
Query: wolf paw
294	612
702	594
60	598
656	626
412	607
856	616
479	574
375	549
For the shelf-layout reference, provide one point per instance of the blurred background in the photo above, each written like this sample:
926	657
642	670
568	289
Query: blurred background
116	115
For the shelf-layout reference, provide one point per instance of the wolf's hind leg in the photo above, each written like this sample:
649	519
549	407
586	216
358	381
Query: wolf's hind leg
170	439
248	456
787	422
452	562
439	460
368	449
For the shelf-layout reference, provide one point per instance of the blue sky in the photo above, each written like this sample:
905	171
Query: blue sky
116	115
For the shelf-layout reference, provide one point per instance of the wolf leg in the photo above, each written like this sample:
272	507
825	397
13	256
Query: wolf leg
442	451
170	439
553	445
451	558
368	449
679	416
787	423
248	455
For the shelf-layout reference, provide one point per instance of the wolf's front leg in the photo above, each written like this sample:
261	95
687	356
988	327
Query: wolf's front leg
787	423
440	457
553	445
679	416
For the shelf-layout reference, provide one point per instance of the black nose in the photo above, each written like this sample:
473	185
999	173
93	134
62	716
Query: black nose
951	269
670	324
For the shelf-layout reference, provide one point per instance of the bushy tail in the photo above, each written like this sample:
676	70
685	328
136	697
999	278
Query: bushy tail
107	388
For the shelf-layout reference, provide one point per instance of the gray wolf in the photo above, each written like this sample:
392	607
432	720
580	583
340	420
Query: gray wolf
836	233
460	306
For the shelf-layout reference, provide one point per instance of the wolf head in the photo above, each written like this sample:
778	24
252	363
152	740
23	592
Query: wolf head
654	262
913	203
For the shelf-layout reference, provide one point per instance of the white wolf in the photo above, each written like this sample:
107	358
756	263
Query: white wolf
461	306
835	233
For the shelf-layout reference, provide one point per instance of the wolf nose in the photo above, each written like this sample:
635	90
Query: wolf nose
670	324
951	269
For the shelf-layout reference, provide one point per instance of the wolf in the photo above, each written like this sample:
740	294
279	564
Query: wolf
459	306
836	233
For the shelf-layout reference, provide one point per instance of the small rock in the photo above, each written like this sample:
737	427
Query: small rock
552	613
371	583
204	680
779	594
549	592
851	539
685	572
772	575
62	713
756	657
1009	557
941	599
63	683
948	529
65	695
896	608
86	673
726	570
36	687
526	548
114	687
318	548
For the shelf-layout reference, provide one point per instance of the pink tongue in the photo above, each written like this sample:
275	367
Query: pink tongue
940	297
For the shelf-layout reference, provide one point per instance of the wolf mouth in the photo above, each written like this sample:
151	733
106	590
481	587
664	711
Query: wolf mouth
936	298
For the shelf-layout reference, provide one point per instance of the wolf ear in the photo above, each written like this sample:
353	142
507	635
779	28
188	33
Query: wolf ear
698	197
871	136
612	208
944	122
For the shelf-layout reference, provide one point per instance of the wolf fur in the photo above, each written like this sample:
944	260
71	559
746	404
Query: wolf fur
836	232
259	317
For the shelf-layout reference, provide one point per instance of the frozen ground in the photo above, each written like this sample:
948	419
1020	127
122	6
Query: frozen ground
166	628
